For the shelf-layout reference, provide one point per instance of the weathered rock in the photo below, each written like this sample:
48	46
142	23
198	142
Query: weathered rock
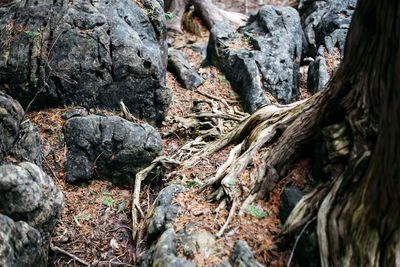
289	198
164	212
242	255
325	22
20	244
92	53
109	148
28	194
79	112
224	263
196	242
17	138
186	74
272	65
318	75
163	254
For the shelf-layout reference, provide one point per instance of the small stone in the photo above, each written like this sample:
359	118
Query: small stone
79	112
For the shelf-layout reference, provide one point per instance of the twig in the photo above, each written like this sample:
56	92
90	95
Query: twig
57	249
115	263
216	116
125	111
119	227
217	98
297	240
231	213
48	165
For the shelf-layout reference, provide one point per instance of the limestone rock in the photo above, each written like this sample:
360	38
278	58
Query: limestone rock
318	75
163	253
28	194
109	147
91	53
18	138
20	245
242	255
289	198
325	22
265	59
164	212
197	242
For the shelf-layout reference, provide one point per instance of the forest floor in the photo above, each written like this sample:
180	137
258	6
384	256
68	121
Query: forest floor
96	223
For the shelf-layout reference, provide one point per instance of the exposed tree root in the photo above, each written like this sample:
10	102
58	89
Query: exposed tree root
230	216
140	176
208	12
257	131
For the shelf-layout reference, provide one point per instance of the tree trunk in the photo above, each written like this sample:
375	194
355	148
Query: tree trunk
358	220
361	226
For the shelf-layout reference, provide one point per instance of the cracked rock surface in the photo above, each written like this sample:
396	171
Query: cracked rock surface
268	63
31	205
109	148
91	53
325	22
19	138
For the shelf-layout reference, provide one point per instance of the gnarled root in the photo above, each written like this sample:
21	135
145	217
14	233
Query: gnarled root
140	176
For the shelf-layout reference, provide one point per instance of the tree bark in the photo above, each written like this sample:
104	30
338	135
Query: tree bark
361	227
358	219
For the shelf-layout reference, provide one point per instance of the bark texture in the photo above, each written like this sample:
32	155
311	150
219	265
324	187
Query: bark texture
358	218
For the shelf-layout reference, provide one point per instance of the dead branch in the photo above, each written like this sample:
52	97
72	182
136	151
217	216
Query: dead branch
57	249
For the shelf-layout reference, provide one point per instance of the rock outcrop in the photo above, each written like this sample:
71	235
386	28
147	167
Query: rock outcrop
30	199
21	244
18	138
289	199
325	22
91	53
108	148
262	57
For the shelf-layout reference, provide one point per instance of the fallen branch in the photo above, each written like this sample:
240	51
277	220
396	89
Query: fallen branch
57	249
216	97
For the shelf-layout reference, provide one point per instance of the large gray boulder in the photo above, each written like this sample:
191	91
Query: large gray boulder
325	22
91	53
109	148
27	194
269	63
20	244
18	138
